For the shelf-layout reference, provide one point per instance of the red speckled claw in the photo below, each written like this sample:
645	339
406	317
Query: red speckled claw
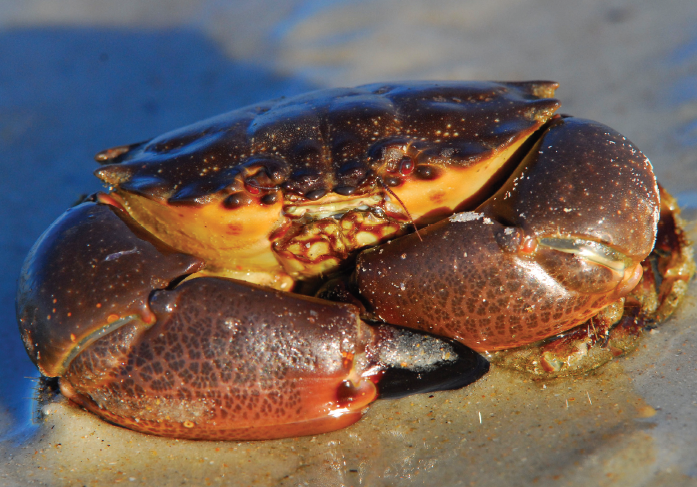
227	359
211	358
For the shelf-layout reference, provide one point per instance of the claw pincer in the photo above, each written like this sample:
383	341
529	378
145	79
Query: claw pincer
163	306
563	238
226	360
209	358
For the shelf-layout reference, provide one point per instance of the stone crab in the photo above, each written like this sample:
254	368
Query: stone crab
180	303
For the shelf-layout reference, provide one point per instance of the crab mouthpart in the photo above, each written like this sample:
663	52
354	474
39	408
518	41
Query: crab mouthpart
332	207
320	238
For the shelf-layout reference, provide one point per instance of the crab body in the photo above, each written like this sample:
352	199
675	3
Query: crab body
166	305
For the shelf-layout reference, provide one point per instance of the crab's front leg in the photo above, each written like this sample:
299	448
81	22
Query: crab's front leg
106	307
561	240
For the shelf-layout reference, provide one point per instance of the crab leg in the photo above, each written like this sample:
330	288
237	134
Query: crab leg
205	358
556	244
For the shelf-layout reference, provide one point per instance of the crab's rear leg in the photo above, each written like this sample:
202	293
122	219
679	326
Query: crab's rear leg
561	240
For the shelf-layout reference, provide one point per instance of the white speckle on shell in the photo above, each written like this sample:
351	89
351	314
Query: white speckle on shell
467	216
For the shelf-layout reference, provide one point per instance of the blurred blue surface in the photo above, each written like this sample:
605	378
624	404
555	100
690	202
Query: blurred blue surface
66	93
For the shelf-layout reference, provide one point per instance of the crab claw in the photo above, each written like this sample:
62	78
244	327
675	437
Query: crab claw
556	244
91	270
138	344
226	359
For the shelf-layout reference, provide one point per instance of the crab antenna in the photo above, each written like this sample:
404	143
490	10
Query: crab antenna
254	184
386	188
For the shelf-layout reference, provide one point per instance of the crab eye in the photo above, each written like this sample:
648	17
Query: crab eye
406	166
236	200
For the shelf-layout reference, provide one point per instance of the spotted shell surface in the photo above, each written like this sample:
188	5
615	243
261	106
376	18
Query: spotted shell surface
332	140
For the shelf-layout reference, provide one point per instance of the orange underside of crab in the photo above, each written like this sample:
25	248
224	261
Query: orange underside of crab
275	245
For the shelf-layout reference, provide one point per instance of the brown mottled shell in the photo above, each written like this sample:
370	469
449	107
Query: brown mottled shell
330	140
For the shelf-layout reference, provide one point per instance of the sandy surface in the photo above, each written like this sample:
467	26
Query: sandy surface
77	76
